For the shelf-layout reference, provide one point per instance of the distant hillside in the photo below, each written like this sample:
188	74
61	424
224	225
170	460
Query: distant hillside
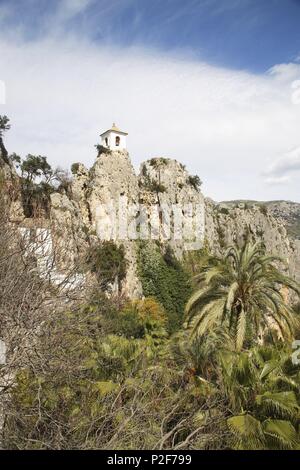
287	211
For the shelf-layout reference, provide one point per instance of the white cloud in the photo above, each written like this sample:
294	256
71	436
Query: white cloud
284	168
278	180
227	126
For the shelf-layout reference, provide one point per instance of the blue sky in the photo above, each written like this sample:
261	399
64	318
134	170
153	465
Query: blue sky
212	83
243	34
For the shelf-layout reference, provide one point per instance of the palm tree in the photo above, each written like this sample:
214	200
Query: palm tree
262	388
201	355
243	292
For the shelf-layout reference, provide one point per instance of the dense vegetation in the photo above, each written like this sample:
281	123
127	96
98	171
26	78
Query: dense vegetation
164	278
108	262
204	361
37	179
111	374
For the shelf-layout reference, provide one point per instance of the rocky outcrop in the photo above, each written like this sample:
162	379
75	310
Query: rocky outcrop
91	211
113	184
111	177
289	213
166	201
67	230
100	196
9	181
166	183
106	202
79	190
228	223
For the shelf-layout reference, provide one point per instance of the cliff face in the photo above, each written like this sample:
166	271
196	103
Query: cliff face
227	223
167	184
289	213
10	182
110	200
102	198
98	195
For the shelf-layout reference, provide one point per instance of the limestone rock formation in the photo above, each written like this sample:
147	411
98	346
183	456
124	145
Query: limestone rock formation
112	180
10	181
166	182
227	223
93	211
79	190
289	213
67	230
94	208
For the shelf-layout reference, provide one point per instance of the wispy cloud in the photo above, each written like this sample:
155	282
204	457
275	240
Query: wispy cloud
284	168
276	180
228	126
68	9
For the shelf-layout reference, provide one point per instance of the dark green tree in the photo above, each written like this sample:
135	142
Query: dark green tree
163	277
244	292
4	126
37	178
36	166
195	181
107	261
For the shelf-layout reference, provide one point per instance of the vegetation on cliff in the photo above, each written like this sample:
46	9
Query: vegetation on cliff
204	360
105	376
163	277
244	292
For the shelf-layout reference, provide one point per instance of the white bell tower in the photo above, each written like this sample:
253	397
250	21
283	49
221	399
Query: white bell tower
114	139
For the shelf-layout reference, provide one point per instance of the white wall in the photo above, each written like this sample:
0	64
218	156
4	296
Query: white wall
111	136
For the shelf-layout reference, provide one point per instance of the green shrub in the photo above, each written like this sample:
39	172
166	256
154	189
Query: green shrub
143	317
158	162
221	234
164	278
151	184
157	187
194	261
75	168
224	210
107	261
195	181
263	209
101	149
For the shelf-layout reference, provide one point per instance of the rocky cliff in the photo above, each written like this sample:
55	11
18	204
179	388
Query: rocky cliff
287	212
228	223
109	201
10	181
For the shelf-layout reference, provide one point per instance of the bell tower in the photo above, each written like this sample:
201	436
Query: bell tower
114	139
